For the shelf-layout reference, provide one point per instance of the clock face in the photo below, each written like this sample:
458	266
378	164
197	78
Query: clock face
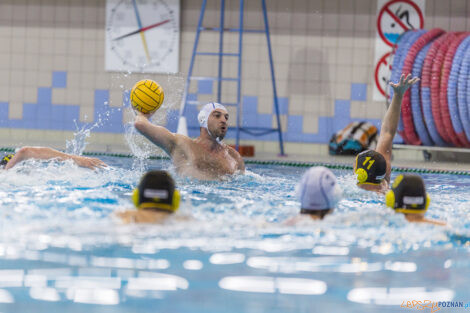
142	36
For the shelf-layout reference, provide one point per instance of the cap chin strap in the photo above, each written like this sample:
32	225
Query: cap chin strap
410	211
210	134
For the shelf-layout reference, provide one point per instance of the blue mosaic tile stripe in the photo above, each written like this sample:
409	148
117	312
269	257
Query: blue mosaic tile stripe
359	92
59	79
45	115
4	121
204	87
283	105
110	119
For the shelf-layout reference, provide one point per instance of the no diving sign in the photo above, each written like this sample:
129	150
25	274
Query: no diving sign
382	73
397	17
394	17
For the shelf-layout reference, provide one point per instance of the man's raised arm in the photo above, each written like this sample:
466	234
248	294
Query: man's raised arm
159	135
391	118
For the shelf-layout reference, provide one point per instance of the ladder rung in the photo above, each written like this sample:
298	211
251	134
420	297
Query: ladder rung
212	78
258	131
217	54
258	128
233	29
194	102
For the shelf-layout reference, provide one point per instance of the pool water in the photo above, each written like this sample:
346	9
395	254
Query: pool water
63	250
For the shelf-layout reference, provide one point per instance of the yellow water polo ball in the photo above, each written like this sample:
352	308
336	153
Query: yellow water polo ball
147	96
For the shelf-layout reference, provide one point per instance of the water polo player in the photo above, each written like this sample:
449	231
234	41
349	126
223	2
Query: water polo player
155	198
205	157
319	194
43	153
373	168
408	196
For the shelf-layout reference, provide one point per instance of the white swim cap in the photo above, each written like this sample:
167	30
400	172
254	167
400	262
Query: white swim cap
318	189
206	110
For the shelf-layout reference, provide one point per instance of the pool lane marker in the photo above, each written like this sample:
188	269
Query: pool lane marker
286	163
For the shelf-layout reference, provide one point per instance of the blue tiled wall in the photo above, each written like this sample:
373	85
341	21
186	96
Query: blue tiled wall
45	115
294	132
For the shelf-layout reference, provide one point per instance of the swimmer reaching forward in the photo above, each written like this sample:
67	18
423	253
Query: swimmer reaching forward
373	168
44	153
205	157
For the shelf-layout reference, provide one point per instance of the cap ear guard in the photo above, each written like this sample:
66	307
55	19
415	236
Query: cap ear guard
361	175
390	199
176	200
135	197
390	202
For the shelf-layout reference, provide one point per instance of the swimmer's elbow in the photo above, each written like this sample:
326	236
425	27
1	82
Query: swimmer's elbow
24	153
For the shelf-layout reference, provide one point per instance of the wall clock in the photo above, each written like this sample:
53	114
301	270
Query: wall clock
142	36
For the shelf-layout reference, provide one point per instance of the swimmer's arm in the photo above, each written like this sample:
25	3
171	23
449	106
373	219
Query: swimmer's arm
43	153
421	219
391	118
159	135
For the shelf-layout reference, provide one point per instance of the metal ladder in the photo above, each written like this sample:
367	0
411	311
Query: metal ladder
252	130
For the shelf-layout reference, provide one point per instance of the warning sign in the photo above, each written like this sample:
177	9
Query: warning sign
394	17
382	73
397	17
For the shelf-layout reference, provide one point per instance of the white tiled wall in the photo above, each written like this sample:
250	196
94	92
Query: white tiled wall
320	47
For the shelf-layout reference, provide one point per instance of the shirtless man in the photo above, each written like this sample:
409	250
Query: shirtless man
205	157
44	153
373	168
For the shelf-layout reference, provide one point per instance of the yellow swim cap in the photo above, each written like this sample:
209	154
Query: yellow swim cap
370	167
156	191
408	195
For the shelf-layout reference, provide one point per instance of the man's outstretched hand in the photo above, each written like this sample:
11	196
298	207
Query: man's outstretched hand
91	163
404	83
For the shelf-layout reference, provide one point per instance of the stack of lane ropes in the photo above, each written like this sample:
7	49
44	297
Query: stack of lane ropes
435	112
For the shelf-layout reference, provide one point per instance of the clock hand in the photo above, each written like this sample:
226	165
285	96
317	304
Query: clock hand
142	29
139	22
142	35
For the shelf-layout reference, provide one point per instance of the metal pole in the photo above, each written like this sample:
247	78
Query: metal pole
240	41
191	64
221	50
273	78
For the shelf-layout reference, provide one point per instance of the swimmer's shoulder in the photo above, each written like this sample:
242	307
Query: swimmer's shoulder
237	157
234	153
144	216
182	141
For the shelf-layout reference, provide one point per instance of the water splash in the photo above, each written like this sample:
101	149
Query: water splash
79	142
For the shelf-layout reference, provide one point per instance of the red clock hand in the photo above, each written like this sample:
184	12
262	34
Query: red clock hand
143	29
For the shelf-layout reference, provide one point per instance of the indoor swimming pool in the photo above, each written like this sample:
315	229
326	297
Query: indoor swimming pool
228	249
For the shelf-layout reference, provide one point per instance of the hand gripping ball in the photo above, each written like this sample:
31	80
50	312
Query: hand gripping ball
147	96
